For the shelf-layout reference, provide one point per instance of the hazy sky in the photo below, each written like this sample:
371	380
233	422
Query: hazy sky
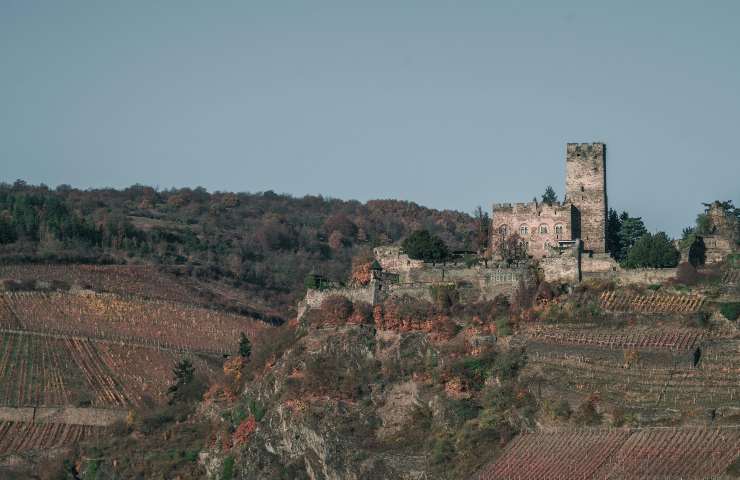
449	104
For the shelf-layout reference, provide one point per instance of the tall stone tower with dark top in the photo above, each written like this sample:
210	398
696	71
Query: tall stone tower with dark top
585	188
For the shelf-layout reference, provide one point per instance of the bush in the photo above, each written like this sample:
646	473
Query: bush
730	310
336	309
227	471
444	296
652	251
422	245
562	410
587	414
503	327
686	274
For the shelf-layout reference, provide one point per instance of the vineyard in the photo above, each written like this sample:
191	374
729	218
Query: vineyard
139	280
713	384
660	453
17	437
157	323
147	372
655	302
674	339
40	370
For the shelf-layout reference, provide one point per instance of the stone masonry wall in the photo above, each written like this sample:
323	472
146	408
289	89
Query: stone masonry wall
392	260
585	188
539	224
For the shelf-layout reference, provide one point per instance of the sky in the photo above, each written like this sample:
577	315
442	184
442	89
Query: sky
450	104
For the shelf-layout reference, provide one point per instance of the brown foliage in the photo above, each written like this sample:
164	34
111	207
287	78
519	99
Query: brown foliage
686	274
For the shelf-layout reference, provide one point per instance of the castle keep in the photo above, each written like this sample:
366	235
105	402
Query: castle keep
581	214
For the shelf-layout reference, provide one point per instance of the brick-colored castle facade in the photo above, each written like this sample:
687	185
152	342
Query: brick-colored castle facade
581	214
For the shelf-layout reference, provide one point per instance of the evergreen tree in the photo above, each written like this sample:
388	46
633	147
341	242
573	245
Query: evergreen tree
422	245
613	226
245	346
184	373
549	197
652	251
631	229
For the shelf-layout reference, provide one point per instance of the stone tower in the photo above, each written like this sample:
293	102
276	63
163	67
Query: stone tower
585	188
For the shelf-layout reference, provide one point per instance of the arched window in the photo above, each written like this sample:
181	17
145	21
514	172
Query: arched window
558	229
503	230
543	229
523	230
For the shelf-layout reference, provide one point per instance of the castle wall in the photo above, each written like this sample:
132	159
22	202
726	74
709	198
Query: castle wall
561	268
717	248
585	188
538	224
392	260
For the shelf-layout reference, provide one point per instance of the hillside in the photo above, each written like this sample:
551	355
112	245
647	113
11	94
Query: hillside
135	343
249	251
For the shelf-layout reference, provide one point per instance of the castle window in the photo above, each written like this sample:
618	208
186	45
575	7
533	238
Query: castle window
558	230
523	230
543	228
503	230
582	188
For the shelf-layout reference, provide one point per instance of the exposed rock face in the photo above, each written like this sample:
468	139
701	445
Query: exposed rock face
331	434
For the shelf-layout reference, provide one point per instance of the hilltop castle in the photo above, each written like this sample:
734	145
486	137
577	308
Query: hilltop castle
581	214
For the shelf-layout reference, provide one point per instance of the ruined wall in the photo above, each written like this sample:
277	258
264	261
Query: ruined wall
539	224
562	268
314	298
717	248
585	188
598	265
645	276
392	260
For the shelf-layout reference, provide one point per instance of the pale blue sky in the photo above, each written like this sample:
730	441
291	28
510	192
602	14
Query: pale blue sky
449	104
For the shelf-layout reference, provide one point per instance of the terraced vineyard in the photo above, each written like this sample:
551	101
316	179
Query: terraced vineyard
653	303
18	437
40	370
156	323
140	280
674	339
147	372
660	453
713	384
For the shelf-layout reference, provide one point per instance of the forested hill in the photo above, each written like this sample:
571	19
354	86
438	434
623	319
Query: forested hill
260	244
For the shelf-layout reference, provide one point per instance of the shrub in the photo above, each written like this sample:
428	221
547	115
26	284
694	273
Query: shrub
422	245
730	310
443	451
503	327
444	296
652	251
587	414
686	274
562	410
336	309
227	470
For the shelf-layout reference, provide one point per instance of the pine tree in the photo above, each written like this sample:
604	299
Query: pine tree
245	346
184	374
549	197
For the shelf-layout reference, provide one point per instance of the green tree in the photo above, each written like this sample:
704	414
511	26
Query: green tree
613	226
422	245
184	374
483	222
245	346
654	251
549	197
631	229
7	232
